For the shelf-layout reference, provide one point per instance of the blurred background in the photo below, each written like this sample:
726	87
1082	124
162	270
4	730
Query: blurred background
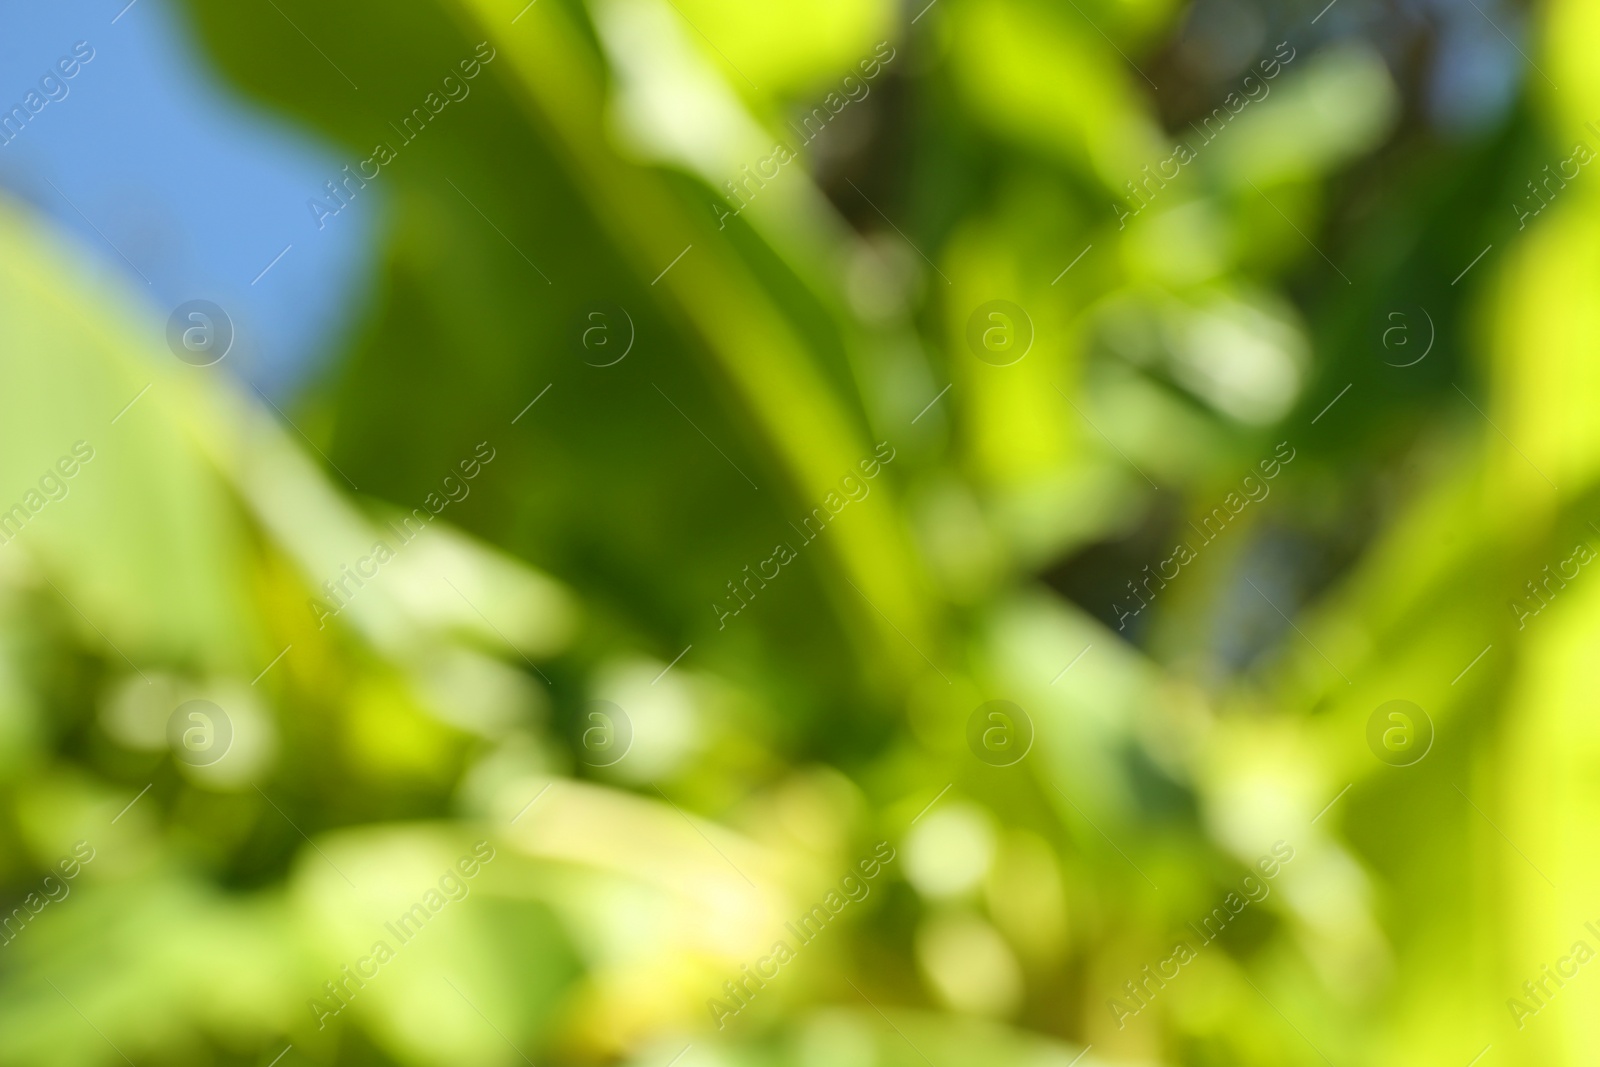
685	534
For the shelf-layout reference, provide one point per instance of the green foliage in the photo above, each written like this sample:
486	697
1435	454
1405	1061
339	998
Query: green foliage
788	334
